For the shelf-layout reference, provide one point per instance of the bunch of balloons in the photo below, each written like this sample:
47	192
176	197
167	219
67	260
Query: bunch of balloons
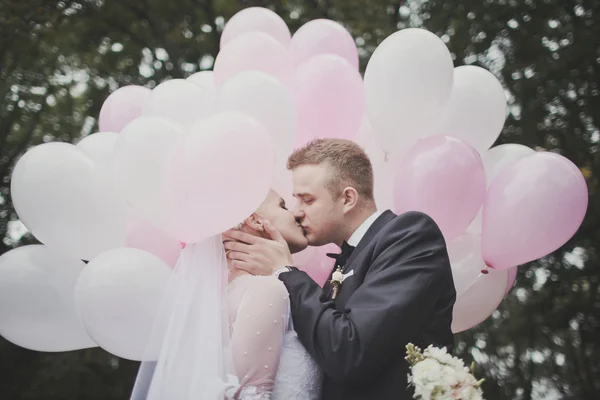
193	157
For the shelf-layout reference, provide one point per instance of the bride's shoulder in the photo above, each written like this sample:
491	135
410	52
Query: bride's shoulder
267	284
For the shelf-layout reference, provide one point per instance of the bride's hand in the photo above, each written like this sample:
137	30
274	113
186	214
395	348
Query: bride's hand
256	255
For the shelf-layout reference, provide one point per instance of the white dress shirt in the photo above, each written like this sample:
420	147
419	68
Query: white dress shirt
359	233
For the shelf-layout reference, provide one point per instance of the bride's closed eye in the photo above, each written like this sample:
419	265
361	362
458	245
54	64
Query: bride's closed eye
282	204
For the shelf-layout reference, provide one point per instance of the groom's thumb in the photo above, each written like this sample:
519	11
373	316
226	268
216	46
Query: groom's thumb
273	232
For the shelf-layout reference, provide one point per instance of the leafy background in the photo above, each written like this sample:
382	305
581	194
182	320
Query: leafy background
60	60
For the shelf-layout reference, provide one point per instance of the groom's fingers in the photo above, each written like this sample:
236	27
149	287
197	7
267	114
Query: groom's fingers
242	236
237	246
237	256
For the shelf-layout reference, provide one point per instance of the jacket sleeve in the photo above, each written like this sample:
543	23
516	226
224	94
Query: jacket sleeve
410	264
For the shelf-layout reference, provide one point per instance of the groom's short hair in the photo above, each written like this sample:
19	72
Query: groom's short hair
350	164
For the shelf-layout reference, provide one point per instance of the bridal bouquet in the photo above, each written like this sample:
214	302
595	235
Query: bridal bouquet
437	375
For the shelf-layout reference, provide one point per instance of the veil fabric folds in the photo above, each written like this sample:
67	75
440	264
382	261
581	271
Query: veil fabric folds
188	356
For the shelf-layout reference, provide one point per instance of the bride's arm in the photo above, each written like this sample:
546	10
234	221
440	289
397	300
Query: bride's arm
257	336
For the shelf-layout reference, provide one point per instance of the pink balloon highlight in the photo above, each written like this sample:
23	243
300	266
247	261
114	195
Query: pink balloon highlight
444	178
218	174
122	106
329	97
253	51
256	19
145	236
531	209
323	36
318	266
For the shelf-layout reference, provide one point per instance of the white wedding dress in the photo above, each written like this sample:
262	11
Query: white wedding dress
270	361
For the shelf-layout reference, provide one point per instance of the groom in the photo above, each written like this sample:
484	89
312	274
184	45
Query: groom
396	285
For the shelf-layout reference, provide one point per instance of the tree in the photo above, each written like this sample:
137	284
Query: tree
542	340
60	60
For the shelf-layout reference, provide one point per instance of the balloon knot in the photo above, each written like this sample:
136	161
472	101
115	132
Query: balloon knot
182	245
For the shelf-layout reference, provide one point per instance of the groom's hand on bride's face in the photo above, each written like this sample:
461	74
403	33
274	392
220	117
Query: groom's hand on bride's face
256	255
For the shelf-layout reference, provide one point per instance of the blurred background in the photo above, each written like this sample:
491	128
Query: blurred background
59	60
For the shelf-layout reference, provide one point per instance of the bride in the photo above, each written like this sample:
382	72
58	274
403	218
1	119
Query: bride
257	354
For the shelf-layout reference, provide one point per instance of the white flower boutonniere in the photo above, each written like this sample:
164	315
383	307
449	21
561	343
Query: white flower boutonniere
336	280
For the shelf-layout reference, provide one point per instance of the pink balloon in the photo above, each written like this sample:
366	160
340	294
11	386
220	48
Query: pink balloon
330	98
532	207
122	106
319	266
480	301
219	173
253	51
145	236
512	277
323	36
256	19
304	256
444	178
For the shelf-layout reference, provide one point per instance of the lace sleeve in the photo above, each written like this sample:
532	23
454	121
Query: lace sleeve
257	335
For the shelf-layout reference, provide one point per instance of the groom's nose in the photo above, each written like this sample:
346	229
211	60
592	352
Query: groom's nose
298	214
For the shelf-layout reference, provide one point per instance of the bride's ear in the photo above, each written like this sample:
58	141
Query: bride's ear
255	222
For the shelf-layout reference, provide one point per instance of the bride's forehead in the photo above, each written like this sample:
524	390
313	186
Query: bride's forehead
272	198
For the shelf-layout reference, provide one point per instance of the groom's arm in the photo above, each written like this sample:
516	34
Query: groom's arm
385	313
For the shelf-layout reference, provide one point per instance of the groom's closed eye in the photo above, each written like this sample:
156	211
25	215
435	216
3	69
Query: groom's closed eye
282	204
304	198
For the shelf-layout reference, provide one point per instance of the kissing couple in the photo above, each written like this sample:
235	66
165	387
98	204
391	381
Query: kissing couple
270	331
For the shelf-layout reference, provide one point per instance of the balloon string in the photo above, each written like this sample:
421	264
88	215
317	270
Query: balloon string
483	272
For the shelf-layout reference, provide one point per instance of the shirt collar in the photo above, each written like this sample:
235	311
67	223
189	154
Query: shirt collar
362	229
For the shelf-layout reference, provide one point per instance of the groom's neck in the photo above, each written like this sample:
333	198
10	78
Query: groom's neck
356	219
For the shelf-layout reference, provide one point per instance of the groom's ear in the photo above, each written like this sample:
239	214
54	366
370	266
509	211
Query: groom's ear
350	196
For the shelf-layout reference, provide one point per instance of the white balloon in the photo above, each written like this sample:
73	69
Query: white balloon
119	295
494	161
408	81
476	110
142	154
283	184
480	300
100	147
206	80
466	261
253	19
37	308
180	100
384	166
268	101
68	201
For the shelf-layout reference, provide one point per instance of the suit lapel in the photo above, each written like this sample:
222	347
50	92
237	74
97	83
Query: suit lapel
379	223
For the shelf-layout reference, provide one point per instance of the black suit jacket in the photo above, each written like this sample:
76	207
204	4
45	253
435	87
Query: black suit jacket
401	291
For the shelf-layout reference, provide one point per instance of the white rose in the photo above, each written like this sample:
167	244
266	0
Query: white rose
443	356
449	376
428	369
464	377
337	276
468	393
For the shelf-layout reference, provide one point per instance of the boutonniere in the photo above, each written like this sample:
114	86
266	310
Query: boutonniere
336	280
